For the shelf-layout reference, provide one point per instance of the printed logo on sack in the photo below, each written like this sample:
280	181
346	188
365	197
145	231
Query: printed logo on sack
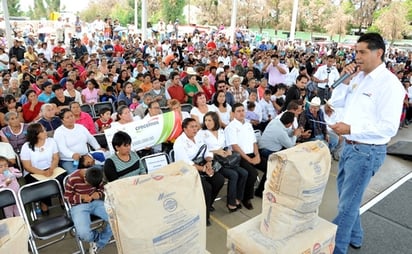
316	167
157	177
170	204
316	248
270	197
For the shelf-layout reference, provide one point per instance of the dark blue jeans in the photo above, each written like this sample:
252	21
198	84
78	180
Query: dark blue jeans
357	165
236	185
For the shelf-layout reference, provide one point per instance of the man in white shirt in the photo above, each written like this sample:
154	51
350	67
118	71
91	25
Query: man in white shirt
325	76
372	99
241	137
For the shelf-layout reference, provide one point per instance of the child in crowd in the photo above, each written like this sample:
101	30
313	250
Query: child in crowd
140	93
108	95
105	120
135	102
8	179
93	158
84	191
251	116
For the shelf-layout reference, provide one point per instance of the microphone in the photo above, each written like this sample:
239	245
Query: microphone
342	78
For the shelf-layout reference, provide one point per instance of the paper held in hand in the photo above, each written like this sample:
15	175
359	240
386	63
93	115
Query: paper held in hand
56	172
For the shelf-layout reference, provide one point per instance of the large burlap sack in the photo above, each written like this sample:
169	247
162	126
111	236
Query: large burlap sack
280	222
14	235
297	177
246	238
163	212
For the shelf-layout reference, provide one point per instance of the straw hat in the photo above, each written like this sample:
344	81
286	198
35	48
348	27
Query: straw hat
235	77
191	71
330	104
315	102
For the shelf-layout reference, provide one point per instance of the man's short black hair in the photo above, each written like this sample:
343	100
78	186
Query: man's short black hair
374	41
287	118
237	105
56	87
94	176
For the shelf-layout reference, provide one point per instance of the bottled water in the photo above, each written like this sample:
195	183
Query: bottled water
37	209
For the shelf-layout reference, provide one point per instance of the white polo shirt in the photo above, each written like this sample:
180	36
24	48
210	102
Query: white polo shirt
241	134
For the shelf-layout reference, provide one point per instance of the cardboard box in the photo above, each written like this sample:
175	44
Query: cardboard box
246	238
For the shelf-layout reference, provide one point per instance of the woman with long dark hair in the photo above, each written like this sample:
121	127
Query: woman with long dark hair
40	157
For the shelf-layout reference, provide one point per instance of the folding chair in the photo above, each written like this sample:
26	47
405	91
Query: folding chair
19	165
165	109
187	107
46	227
172	155
101	139
8	198
87	108
258	134
155	161
99	105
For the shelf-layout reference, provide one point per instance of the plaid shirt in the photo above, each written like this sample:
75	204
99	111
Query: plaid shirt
239	94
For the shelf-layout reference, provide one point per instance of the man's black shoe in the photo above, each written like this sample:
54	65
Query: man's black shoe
248	204
258	193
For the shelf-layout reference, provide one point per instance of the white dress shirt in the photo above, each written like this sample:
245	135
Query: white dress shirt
372	105
322	73
185	149
241	134
213	143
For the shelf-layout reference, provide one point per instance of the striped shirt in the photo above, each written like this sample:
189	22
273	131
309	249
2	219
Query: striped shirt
77	186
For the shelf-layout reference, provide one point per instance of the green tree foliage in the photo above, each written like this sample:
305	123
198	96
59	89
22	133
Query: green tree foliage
43	8
172	9
14	8
125	14
408	4
392	22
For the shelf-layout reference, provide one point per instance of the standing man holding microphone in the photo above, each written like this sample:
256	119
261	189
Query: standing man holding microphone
371	98
325	76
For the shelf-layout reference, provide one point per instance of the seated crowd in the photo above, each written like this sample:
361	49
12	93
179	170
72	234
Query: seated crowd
248	105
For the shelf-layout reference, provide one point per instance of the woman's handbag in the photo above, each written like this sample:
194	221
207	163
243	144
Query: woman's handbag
199	159
230	161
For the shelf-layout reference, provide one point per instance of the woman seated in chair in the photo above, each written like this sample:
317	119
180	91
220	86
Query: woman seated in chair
124	162
186	148
15	132
82	118
72	140
40	159
214	137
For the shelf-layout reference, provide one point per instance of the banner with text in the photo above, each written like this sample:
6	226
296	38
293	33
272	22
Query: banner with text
150	131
